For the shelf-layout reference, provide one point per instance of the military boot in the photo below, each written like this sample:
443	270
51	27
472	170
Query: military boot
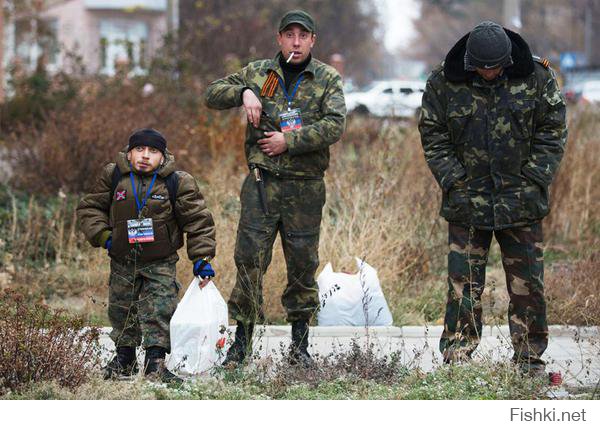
237	351
155	368
299	347
123	364
533	369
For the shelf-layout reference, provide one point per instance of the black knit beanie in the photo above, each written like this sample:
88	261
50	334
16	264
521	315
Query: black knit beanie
488	47
147	137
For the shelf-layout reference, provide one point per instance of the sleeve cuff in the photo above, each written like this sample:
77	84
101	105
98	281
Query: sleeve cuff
102	237
529	172
241	97
462	175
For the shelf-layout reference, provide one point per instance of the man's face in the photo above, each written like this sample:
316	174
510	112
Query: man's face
489	74
145	159
296	39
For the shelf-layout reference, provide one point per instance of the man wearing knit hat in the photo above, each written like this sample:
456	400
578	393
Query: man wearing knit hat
295	109
138	210
493	131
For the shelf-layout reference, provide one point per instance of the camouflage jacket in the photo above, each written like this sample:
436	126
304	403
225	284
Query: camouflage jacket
493	147
320	98
101	214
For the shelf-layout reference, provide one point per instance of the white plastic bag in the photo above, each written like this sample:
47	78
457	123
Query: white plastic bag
352	299
198	330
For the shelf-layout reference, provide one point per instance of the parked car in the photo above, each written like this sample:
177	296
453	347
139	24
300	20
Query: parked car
590	92
387	99
572	92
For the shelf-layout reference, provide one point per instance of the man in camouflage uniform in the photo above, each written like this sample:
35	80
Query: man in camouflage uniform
295	109
493	131
142	288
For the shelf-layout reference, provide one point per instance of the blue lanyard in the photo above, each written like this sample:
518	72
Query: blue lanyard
139	205
290	97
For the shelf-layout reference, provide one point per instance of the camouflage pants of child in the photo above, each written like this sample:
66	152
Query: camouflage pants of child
294	211
523	262
141	301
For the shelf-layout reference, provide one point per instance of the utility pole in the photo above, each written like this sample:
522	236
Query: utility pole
588	33
511	11
173	17
1	51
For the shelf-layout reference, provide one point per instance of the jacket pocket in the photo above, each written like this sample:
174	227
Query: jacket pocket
455	204
161	247
120	243
459	117
521	118
534	200
307	239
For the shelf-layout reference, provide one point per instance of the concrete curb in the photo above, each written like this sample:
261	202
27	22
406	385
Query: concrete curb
433	331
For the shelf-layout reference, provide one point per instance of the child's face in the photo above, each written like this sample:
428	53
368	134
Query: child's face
145	159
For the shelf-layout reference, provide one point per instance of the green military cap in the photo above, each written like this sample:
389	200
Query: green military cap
297	17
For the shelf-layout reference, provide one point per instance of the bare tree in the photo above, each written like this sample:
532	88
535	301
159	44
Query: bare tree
217	37
549	26
443	22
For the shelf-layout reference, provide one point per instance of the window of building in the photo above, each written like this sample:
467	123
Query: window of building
37	40
123	42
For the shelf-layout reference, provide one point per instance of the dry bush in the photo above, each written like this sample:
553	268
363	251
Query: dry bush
38	231
357	362
575	195
573	291
79	139
39	344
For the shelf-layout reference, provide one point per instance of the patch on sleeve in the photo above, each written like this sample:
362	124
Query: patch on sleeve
543	61
120	195
554	96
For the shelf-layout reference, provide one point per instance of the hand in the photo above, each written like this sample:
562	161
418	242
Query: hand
252	106
274	144
203	269
108	243
204	283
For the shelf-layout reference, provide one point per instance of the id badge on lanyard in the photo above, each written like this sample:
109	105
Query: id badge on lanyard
140	230
291	119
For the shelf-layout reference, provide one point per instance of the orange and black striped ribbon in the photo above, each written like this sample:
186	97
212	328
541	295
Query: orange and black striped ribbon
270	85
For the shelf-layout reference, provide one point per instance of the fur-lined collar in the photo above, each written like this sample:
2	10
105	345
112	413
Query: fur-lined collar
454	65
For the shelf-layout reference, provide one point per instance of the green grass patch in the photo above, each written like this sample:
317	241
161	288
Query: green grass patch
473	381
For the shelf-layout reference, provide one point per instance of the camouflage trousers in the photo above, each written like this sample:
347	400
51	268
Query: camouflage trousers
523	262
141	301
294	211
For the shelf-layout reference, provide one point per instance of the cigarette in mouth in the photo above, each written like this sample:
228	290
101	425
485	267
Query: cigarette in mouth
290	57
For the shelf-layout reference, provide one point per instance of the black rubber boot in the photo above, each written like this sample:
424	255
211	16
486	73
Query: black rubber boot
242	343
123	364
299	348
155	368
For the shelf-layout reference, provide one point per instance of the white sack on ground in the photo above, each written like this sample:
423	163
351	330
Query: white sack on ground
198	330
352	299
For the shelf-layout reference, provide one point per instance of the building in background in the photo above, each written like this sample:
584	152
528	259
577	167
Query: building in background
103	33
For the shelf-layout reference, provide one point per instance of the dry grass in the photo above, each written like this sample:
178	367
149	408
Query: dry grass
382	204
39	344
575	210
